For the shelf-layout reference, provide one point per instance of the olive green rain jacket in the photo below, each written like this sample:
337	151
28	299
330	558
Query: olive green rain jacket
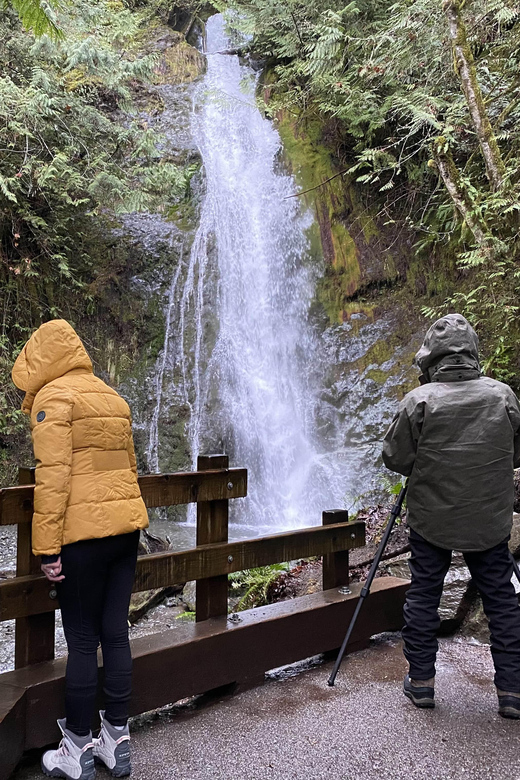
458	439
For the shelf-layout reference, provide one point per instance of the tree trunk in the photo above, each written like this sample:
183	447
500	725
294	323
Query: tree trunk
451	178
465	65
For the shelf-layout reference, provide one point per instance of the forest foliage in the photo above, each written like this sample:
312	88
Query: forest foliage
74	156
418	99
424	99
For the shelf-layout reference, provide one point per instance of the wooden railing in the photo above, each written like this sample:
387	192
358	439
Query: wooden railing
31	600
195	657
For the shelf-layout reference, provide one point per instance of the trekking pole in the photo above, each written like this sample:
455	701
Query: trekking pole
394	514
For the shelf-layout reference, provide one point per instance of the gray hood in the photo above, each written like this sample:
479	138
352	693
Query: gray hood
449	351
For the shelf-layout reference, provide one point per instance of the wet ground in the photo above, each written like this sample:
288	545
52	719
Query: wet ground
297	727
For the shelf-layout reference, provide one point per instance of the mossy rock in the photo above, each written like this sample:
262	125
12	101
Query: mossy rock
178	62
360	250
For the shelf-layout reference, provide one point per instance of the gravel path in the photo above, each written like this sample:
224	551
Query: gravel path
297	727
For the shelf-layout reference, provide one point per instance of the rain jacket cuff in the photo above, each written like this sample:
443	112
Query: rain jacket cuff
49	558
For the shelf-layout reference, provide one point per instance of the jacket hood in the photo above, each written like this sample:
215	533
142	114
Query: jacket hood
52	351
451	345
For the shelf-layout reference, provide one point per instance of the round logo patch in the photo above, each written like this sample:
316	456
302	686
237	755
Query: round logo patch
40	417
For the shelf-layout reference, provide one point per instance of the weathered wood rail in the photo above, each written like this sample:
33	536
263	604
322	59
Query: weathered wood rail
211	652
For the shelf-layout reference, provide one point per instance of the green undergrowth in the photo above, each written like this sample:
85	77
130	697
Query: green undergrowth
187	616
255	586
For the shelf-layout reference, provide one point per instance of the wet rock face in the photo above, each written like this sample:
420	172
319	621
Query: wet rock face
369	370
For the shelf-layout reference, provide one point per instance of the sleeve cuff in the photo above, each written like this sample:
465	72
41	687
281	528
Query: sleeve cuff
49	558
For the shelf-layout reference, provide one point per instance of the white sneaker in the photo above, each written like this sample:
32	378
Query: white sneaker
73	759
112	748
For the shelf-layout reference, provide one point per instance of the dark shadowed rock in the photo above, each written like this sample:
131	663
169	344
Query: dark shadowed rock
188	596
142	602
150	543
516	505
180	19
475	625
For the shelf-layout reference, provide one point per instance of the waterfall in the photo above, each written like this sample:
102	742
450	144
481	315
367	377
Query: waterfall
249	358
152	451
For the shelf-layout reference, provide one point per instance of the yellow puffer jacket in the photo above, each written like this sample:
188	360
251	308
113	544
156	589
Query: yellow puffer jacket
86	474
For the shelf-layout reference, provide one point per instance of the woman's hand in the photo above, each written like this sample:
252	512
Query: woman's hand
53	571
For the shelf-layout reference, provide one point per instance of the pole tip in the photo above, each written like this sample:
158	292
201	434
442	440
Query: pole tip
330	682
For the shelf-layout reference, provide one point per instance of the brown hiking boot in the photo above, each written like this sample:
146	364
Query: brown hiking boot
509	704
420	692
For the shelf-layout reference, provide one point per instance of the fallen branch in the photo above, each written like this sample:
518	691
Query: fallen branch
232	52
317	186
370	551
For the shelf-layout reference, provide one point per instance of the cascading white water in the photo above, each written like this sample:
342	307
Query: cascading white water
250	377
152	451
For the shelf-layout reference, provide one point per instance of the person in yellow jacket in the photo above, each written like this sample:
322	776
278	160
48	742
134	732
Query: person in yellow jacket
88	512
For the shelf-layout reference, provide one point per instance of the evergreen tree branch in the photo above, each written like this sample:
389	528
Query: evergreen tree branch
36	16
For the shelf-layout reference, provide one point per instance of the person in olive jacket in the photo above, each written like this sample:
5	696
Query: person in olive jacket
88	513
457	438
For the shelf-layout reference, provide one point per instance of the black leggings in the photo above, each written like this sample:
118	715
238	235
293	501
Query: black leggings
94	599
491	571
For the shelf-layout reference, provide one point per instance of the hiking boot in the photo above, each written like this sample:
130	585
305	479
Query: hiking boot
73	759
509	704
421	692
112	748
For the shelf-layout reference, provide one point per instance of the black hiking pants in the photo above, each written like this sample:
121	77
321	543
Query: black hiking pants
491	571
94	599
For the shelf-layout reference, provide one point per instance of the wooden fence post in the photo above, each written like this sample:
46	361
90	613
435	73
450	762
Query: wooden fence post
34	636
211	595
335	565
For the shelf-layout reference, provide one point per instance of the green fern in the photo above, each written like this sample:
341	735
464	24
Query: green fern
39	16
255	584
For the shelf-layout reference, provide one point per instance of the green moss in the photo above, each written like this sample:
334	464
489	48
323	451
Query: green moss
311	163
310	160
179	63
336	204
379	353
378	375
363	216
401	364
